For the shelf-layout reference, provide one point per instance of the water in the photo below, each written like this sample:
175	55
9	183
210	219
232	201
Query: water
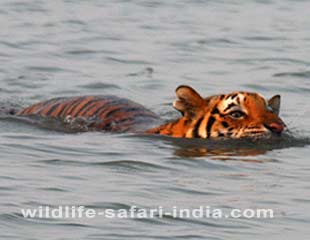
143	50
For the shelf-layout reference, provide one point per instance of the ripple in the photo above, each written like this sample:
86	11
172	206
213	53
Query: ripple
202	222
302	74
75	22
10	44
264	38
192	192
233	147
19	218
47	69
63	162
130	164
24	137
266	60
217	41
143	50
99	85
30	7
8	189
81	52
53	189
108	205
128	61
124	164
256	87
148	71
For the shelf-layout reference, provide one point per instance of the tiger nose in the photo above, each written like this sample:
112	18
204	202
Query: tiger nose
275	127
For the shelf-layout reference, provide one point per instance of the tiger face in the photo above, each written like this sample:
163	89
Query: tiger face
244	114
234	115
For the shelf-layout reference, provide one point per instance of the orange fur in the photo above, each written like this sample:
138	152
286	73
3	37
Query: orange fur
234	115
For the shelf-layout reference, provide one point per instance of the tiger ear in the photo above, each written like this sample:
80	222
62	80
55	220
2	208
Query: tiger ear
189	101
274	103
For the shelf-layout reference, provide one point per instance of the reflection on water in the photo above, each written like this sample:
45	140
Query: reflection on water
203	151
227	148
244	147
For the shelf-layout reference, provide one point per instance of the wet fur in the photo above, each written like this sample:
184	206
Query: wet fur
212	117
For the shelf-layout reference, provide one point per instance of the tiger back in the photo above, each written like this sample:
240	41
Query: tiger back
109	113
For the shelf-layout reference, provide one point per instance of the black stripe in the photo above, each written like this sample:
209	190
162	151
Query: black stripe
53	108
53	100
220	134
109	104
186	122
225	124
210	123
100	108
229	134
227	96
230	106
47	104
215	111
63	112
77	105
89	106
256	132
196	128
44	104
235	95
111	112
85	106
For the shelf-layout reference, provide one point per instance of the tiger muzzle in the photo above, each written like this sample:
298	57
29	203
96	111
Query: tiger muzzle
276	127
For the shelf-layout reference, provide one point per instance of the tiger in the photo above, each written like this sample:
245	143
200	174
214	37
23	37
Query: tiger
235	115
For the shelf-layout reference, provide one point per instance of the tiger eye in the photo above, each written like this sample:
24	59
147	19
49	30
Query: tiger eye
237	114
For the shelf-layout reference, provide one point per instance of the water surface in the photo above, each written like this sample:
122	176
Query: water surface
143	50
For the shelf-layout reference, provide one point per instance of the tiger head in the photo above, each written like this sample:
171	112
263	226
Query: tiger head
234	115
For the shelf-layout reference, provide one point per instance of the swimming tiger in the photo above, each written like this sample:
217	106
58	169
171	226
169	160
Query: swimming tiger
234	115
